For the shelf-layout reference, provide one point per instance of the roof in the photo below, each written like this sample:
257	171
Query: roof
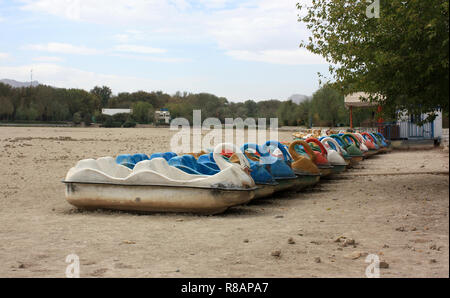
112	112
353	100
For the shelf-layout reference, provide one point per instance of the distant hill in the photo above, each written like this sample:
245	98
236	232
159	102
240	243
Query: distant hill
17	84
298	98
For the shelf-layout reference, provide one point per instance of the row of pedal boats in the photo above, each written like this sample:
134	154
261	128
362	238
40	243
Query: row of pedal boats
212	182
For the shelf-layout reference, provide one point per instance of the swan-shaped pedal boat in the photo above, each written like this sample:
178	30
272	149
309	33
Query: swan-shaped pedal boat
334	156
354	152
323	161
352	139
281	169
155	186
367	147
333	145
305	148
259	161
306	170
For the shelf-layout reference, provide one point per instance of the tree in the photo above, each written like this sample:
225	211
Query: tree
143	112
328	104
77	118
6	107
401	58
103	93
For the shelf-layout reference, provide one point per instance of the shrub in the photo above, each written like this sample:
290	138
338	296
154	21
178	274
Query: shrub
130	123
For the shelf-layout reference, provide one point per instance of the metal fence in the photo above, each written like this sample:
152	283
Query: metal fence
406	130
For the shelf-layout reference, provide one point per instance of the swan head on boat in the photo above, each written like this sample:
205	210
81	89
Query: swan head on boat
223	164
302	164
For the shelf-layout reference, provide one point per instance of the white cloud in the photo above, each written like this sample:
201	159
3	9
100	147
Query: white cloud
288	57
265	31
138	49
48	59
4	56
152	58
246	30
107	11
129	36
63	48
2	19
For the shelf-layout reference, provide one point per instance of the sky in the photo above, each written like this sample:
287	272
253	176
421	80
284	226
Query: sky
238	49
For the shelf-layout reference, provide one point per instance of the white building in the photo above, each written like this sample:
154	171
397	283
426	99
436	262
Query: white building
112	112
405	127
162	116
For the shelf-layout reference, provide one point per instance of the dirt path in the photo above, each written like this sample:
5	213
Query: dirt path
402	218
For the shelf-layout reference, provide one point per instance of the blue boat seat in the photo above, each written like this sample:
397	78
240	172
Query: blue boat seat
189	164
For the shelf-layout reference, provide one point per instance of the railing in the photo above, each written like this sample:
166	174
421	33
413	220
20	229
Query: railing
406	130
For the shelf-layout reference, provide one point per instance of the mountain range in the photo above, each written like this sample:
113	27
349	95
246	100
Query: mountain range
298	98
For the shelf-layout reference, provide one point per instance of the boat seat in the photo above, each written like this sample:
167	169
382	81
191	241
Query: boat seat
189	164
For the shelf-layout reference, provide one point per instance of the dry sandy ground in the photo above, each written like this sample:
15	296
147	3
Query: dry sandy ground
402	218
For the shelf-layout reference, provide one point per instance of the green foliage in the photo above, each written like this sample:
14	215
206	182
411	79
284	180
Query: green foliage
327	106
44	103
121	118
402	57
6	107
77	118
109	122
143	112
130	123
103	93
87	119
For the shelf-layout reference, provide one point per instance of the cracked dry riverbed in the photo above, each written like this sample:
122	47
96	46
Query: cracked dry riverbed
400	214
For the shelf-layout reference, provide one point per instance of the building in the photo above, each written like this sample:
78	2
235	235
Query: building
112	112
162	116
405	128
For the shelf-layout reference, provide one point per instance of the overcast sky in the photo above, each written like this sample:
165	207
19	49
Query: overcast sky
239	49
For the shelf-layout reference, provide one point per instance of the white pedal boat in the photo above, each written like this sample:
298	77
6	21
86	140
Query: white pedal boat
154	186
334	157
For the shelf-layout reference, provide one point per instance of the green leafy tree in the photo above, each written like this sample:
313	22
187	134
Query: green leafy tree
103	93
143	112
402	57
6	107
329	106
77	118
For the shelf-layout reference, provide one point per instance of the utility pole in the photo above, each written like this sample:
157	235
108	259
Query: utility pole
31	82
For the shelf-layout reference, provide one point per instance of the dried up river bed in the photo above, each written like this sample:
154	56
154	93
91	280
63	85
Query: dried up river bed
401	216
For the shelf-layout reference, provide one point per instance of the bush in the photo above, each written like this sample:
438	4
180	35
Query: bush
77	118
109	122
100	118
87	119
122	118
129	123
118	120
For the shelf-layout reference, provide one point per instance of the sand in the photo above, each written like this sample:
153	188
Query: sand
402	218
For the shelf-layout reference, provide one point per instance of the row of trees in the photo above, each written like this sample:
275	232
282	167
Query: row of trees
325	108
48	104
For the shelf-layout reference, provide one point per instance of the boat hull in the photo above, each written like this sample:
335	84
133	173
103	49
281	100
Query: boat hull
324	172
337	169
304	181
264	190
153	198
370	153
356	159
285	184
